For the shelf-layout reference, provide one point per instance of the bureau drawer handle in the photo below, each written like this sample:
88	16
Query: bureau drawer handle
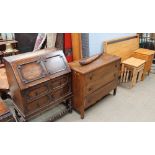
38	104
89	89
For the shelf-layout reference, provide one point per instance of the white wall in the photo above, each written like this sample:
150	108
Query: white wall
96	40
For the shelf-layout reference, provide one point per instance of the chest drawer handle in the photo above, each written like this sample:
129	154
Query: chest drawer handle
91	76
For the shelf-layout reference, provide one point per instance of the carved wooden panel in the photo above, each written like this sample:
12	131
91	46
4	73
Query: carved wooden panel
55	64
31	71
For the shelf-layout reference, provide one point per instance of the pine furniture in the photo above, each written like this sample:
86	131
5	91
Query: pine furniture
146	55
132	70
128	47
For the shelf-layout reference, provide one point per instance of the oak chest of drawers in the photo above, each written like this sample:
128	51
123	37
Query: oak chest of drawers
93	81
38	81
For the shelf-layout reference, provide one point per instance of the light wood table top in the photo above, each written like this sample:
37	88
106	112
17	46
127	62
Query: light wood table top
134	62
145	51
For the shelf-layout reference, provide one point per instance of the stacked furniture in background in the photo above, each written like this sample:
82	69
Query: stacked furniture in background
93	81
128	48
7	48
38	82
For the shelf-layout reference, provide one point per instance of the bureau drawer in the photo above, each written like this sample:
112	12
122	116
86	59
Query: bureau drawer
59	82
101	77
99	94
35	92
61	92
37	104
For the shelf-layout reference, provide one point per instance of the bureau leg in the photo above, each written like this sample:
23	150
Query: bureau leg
114	92
17	116
69	105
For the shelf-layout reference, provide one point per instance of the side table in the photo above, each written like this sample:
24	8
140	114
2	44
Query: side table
132	71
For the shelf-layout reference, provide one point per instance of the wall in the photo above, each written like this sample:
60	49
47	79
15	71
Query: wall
85	44
96	40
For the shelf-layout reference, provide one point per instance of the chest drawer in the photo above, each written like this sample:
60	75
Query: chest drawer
99	93
91	87
35	92
95	80
37	104
99	73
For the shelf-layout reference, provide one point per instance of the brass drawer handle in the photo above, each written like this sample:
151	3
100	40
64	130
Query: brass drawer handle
91	76
89	89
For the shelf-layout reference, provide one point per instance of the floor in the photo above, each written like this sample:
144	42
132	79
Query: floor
136	104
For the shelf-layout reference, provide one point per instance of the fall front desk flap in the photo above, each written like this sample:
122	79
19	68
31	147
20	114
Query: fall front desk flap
33	68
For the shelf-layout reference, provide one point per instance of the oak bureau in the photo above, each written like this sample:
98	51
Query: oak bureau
38	81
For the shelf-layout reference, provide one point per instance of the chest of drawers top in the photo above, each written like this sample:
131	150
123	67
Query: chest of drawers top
102	61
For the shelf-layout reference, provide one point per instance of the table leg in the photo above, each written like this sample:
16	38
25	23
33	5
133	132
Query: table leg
140	77
134	77
115	90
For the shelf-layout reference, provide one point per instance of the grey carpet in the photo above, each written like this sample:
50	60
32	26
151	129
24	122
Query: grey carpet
129	105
